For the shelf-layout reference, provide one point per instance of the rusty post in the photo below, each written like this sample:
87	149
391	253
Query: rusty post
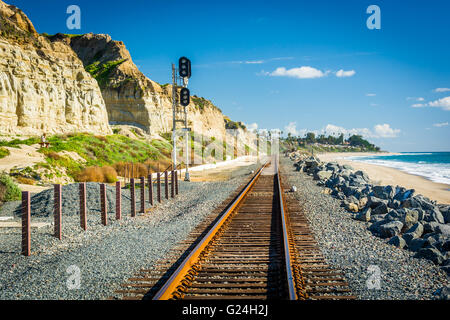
150	189
83	208
172	184
176	182
118	201
158	180
166	184
133	198
57	202
142	195
26	223
104	204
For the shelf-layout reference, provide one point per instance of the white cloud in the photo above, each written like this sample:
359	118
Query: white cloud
418	105
291	128
443	124
441	89
304	72
373	104
420	99
443	103
379	131
252	126
385	131
341	73
370	94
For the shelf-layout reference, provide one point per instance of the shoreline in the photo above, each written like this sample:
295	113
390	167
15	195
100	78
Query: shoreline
383	175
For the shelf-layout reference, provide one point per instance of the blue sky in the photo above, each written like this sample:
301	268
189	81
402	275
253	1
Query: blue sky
275	64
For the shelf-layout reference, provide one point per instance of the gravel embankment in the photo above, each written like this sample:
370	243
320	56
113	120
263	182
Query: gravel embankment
348	245
106	256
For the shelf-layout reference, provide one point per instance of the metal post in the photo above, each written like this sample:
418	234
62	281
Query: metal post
142	195
57	196
103	204
150	189
118	201
133	198
176	182
158	185
26	223
172	184
166	184
174	122
83	207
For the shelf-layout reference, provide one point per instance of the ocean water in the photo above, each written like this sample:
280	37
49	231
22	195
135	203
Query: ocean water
434	166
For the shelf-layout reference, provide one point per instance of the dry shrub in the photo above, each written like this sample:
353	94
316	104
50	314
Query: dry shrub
25	180
110	174
53	155
131	170
97	174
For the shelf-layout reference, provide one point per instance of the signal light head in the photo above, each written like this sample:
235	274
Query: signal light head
184	97
184	66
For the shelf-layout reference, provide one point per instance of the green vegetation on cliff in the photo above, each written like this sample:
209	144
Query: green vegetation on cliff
102	71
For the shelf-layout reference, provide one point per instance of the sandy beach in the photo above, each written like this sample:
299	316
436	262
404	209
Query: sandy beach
382	175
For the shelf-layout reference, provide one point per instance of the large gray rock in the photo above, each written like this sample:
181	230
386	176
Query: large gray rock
416	229
435	215
381	209
390	229
416	244
430	227
443	229
323	175
383	192
363	175
411	218
375	202
364	215
397	241
431	254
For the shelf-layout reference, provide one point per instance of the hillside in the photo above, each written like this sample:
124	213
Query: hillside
43	85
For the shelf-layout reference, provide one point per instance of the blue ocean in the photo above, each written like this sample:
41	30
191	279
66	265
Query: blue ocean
434	166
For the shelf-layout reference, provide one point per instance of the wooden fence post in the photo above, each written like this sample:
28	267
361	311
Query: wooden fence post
158	179
118	201
166	184
26	223
142	195
83	208
133	198
150	189
57	202
104	204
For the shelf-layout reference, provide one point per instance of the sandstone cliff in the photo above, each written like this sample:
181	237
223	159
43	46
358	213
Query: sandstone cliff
43	85
133	99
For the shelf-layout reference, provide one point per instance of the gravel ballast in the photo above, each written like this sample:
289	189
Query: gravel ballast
103	256
348	245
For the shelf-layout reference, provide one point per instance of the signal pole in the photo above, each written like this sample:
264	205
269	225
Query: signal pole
185	73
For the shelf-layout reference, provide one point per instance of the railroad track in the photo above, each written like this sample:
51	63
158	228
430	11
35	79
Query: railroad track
258	247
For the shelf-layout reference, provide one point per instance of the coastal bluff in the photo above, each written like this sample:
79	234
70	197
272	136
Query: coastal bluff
132	98
43	85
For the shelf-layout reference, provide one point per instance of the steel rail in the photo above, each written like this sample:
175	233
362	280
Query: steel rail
286	245
167	290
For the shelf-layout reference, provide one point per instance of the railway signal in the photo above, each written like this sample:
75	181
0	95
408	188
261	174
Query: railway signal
184	67
184	97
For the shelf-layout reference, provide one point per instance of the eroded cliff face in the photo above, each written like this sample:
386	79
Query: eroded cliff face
43	85
133	99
